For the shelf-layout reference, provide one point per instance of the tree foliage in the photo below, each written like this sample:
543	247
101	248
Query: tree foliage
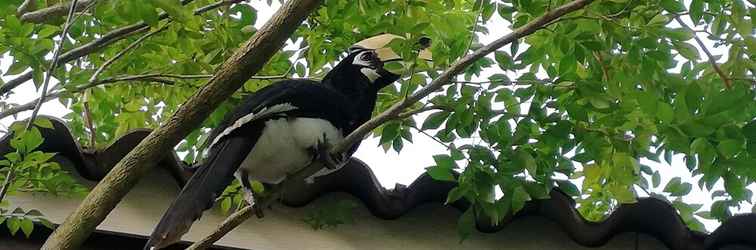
580	101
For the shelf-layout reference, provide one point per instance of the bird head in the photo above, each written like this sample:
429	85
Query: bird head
366	60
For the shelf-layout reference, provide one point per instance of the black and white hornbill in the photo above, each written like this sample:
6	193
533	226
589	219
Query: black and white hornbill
282	128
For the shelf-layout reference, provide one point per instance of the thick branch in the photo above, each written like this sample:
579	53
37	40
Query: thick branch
727	80
244	63
50	13
443	79
107	39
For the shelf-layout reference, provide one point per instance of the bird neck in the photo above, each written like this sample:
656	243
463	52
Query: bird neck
355	89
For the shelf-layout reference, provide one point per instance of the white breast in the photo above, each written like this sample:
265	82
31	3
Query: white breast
284	147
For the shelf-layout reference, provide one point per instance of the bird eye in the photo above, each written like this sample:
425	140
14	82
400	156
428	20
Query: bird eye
369	56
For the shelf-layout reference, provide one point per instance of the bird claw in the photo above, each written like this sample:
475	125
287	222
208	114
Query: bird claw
249	197
323	154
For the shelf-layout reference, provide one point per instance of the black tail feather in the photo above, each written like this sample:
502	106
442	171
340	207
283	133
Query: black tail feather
200	192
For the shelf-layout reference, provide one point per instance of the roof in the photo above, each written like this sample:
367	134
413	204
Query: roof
650	216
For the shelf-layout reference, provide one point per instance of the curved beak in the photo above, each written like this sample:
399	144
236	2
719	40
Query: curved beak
386	54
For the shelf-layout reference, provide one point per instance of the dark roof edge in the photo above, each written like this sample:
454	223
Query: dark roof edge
99	239
651	216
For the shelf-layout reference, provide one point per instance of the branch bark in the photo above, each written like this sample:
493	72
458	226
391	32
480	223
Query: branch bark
245	62
107	39
48	14
444	78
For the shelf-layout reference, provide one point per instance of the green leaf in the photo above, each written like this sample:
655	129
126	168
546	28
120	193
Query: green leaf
673	6
43	122
435	120
523	160
175	9
535	190
504	61
440	173
390	132
665	113
696	11
680	34
729	147
519	198
225	204
568	188
27	226
455	194
656	179
466	224
32	139
734	187
567	65
676	188
445	161
13	223
687	50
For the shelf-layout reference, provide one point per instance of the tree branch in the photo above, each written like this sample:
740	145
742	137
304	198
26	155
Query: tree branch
444	78
89	123
7	182
48	14
107	39
126	50
56	56
245	62
727	80
155	77
459	66
26	6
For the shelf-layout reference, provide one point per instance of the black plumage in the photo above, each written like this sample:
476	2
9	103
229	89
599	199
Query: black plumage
295	116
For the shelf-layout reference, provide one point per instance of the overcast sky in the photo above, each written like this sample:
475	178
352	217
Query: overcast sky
390	167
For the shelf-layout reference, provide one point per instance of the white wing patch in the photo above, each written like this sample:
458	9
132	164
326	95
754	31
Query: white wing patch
278	108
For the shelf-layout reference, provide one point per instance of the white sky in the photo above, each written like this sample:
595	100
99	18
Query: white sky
403	168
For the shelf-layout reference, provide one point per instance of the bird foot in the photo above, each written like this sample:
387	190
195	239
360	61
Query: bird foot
249	197
322	153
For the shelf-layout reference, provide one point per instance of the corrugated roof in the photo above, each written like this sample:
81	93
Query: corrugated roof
649	215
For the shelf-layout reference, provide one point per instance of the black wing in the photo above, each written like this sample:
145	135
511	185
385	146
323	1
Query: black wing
227	153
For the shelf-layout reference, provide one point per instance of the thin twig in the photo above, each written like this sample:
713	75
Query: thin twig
727	80
155	77
126	50
106	39
600	60
7	182
50	68
432	137
474	26
515	82
88	121
409	114
9	177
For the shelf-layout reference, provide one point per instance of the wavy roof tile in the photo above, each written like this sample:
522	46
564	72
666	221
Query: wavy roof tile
649	215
